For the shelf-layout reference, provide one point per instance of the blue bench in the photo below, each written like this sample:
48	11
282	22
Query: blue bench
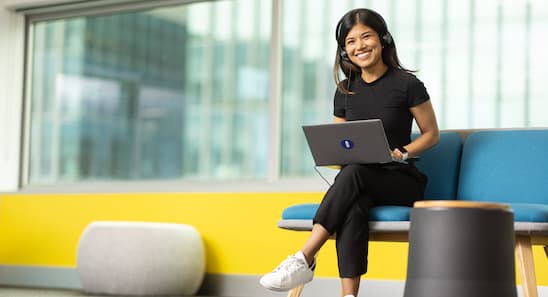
501	166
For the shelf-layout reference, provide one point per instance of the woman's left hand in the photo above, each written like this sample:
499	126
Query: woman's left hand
397	154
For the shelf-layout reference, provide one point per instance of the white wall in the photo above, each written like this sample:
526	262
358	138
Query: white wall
11	95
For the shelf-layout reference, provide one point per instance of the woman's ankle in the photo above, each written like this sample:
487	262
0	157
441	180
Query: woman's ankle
310	260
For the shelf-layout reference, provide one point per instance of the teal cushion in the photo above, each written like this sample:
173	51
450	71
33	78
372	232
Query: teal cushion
380	213
507	166
441	164
390	213
523	212
304	211
529	212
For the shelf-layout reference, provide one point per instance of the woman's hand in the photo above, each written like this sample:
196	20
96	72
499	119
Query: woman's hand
398	155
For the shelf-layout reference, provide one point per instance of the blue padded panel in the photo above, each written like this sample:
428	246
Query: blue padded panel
505	166
441	165
379	213
528	212
300	211
390	213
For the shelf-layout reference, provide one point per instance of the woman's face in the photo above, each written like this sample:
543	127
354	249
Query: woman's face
364	48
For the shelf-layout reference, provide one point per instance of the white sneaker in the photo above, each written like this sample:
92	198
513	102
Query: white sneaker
292	272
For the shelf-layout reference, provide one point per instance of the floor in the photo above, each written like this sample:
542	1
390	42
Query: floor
26	292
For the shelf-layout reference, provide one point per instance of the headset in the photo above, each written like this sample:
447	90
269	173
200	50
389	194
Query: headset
385	37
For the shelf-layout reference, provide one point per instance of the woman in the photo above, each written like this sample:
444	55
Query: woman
377	86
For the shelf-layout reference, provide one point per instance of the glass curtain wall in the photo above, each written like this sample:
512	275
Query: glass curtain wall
167	93
182	92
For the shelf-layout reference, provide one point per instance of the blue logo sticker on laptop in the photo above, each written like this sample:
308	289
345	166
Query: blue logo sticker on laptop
347	144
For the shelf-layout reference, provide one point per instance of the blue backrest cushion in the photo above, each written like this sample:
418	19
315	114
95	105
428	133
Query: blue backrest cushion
441	164
505	166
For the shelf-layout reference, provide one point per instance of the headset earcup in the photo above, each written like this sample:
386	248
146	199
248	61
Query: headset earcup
387	38
344	56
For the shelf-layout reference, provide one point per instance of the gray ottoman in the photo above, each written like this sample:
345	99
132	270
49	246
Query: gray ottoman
461	248
140	258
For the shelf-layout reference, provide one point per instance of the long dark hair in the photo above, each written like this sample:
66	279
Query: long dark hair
373	20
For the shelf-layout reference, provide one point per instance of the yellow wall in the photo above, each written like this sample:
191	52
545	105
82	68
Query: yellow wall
239	230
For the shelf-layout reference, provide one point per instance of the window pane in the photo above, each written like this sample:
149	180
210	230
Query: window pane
308	48
168	93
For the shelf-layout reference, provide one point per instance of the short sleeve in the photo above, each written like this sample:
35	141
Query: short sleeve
416	92
339	104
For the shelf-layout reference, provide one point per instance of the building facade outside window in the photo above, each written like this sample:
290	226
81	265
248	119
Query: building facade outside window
167	93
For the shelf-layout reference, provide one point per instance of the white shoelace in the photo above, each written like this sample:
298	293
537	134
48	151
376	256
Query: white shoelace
291	261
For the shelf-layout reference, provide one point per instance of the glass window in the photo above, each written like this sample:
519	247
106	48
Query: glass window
167	93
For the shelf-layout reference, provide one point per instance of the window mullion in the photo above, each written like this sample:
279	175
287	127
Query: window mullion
274	98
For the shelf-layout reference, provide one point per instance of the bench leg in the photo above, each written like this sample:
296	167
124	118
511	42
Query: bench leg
296	292
524	255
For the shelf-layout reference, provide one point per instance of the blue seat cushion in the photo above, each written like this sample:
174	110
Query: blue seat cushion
530	212
380	213
523	212
304	211
389	213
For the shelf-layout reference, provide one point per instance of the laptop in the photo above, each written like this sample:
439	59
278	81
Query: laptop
354	142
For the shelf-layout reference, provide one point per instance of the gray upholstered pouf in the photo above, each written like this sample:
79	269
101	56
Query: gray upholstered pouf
140	258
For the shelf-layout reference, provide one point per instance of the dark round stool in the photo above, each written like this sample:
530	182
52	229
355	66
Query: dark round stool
461	249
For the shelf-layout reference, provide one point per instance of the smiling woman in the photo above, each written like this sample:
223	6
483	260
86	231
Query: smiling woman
376	87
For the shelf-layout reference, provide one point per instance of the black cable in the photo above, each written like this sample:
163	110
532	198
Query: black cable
346	94
320	174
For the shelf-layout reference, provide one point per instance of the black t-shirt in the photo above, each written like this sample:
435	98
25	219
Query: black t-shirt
387	98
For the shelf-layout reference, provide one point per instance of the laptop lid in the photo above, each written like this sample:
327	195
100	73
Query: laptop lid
354	142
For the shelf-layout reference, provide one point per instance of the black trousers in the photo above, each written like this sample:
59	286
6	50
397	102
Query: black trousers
344	210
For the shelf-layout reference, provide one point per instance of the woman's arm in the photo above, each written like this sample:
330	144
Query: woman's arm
430	134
